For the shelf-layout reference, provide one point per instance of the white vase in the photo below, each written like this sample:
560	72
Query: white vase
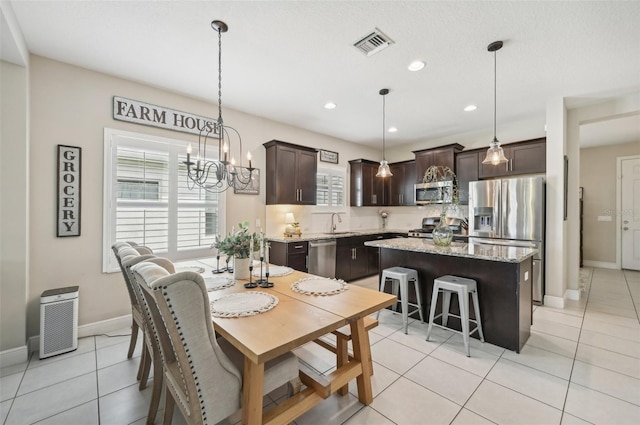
241	268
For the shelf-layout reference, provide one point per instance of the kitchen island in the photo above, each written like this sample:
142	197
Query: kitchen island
503	275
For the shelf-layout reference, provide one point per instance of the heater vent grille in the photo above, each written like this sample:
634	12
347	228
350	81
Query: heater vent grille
374	42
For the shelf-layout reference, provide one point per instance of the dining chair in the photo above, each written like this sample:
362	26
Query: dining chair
151	335
120	249
142	249
201	375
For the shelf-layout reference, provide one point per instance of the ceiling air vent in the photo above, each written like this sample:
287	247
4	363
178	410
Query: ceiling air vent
373	43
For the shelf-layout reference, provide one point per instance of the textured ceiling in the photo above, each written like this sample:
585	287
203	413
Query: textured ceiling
284	60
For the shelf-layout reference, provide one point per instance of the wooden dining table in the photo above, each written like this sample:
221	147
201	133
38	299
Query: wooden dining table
296	320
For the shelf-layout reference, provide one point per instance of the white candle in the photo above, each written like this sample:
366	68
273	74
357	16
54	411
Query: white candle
251	248
261	246
266	249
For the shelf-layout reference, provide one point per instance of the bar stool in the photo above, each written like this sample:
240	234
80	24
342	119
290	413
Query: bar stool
402	276
463	287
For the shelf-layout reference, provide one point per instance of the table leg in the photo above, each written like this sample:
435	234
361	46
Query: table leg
362	353
252	392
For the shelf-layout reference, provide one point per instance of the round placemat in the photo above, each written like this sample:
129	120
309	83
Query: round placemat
243	304
196	269
218	282
319	286
274	271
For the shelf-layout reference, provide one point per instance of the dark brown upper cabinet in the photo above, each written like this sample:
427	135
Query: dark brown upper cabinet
291	173
442	155
528	157
366	190
466	171
400	187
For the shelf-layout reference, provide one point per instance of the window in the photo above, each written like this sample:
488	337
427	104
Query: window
330	187
147	199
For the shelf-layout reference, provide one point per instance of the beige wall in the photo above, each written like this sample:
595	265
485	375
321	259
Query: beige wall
14	259
598	180
72	106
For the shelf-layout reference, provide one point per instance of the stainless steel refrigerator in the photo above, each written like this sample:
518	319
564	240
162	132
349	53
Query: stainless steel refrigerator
511	212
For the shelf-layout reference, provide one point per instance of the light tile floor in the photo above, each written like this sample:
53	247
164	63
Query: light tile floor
581	365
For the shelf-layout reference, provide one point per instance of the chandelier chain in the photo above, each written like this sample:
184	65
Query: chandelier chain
220	78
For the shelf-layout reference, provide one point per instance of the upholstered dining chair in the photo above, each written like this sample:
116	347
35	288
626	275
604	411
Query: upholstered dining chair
120	249
152	343
201	375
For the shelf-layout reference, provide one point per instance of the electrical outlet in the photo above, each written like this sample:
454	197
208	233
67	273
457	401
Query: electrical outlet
604	218
257	222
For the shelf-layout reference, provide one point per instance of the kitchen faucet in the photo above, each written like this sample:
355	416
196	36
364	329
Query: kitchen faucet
333	226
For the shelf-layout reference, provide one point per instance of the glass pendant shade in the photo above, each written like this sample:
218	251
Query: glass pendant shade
495	154
383	169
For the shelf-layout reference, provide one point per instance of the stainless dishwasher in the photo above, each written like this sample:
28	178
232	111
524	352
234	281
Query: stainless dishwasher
322	257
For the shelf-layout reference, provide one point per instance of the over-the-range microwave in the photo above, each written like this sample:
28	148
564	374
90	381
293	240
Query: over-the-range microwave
439	192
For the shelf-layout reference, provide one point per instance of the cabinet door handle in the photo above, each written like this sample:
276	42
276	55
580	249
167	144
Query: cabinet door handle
300	195
298	247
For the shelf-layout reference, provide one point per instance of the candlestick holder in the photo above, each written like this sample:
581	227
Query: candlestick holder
229	269
264	283
251	283
261	280
218	270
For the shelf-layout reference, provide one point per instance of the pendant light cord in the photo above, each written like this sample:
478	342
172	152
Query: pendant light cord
495	90
383	124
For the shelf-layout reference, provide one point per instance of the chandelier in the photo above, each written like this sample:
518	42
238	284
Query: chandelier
217	175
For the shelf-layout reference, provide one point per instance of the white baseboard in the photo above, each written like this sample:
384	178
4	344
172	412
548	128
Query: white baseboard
14	356
96	328
601	264
573	294
104	326
554	302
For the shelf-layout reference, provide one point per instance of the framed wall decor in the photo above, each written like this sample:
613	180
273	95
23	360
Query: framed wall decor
328	156
68	191
253	188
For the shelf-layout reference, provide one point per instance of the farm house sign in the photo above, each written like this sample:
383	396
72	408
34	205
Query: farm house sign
158	116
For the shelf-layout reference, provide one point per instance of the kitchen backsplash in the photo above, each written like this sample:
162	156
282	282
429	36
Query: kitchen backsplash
318	220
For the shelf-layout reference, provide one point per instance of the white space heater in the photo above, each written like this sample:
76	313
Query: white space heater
58	321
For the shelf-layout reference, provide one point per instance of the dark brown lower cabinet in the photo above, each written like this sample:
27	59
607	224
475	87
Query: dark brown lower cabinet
354	260
291	254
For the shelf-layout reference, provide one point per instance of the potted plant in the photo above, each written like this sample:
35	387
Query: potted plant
238	245
442	234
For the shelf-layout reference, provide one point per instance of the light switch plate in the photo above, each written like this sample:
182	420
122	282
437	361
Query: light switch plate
257	222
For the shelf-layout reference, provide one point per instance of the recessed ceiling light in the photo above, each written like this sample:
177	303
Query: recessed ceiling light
470	108
330	105
416	65
392	129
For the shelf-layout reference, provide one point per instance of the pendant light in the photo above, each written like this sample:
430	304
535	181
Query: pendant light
383	169
495	154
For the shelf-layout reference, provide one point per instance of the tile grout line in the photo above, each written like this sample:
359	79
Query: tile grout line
575	355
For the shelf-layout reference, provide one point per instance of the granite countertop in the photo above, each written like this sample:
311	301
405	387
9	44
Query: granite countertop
327	235
506	254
